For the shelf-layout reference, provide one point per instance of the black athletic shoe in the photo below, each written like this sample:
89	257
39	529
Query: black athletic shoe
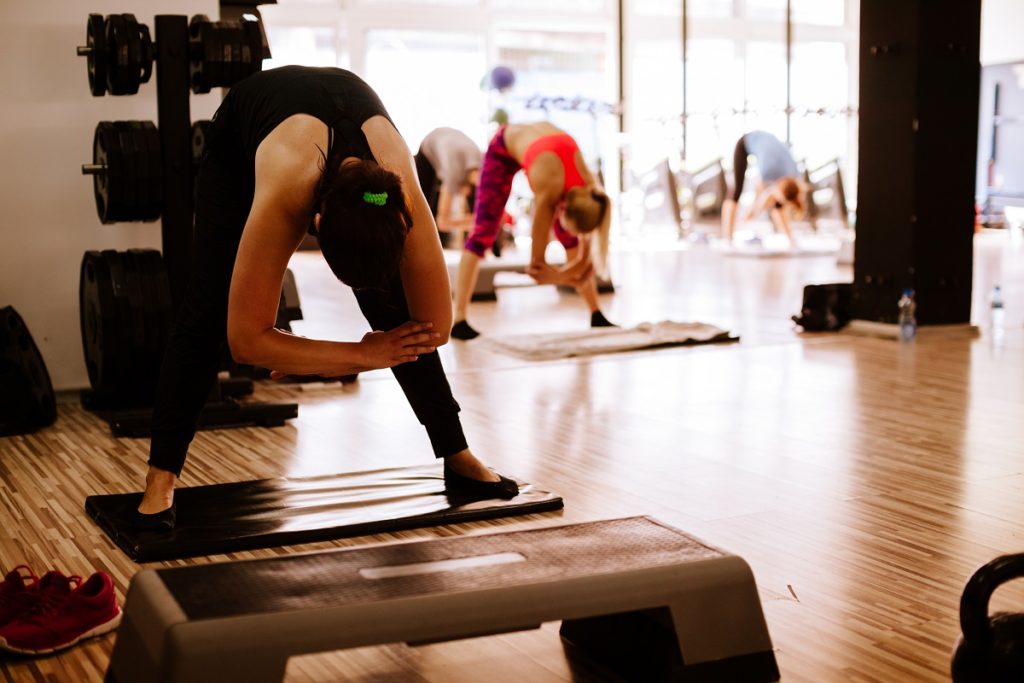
597	319
462	330
458	485
158	521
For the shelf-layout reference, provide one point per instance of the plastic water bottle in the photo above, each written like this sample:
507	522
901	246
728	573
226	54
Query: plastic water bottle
907	321
997	308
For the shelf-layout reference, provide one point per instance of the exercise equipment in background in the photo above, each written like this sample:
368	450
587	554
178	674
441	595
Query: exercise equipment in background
126	317
687	200
637	598
501	78
120	53
127	171
144	172
27	402
991	649
826	197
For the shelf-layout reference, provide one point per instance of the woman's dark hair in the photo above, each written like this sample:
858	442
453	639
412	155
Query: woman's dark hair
791	191
363	222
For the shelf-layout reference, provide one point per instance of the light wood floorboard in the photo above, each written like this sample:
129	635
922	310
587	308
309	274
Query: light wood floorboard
862	479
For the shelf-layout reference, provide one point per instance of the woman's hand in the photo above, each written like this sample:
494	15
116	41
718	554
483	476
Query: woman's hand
572	275
403	344
377	350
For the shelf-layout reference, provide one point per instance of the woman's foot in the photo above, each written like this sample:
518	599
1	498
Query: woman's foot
462	330
597	319
159	493
158	521
156	511
465	475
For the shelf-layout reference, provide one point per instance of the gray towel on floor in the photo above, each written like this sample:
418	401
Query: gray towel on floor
606	340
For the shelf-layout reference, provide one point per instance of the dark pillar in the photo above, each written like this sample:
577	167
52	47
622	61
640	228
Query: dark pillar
919	79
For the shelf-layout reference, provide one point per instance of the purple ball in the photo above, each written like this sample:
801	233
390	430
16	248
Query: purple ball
502	78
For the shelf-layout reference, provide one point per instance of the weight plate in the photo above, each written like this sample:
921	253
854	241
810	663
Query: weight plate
109	182
96	60
119	68
129	182
147	53
125	324
134	53
98	319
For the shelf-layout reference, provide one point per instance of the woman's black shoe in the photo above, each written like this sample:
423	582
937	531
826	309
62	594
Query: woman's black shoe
158	521
458	485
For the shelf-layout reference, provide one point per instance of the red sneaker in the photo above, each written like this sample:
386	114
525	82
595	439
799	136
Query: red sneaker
62	616
17	592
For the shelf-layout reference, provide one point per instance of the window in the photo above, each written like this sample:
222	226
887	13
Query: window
714	91
428	79
309	45
819	12
562	77
820	99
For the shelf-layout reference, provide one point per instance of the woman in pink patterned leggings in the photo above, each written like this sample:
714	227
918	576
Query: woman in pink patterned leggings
567	199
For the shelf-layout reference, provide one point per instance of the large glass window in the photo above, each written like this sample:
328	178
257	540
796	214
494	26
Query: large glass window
428	79
562	77
766	88
714	84
820	98
307	33
819	12
656	130
309	45
765	10
737	77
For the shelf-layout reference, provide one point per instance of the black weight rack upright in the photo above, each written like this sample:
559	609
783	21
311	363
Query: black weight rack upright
174	54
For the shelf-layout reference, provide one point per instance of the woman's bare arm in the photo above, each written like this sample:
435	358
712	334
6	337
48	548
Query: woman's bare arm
287	170
423	270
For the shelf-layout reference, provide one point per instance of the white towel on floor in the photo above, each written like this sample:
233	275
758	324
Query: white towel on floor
606	340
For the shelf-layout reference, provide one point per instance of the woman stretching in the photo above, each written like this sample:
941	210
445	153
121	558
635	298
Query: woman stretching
290	150
777	190
567	198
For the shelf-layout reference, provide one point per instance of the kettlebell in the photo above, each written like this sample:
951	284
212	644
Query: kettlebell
991	649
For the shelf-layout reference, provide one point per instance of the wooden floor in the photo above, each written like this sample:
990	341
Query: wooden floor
862	479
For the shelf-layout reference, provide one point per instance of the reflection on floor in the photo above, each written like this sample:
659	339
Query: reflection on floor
862	479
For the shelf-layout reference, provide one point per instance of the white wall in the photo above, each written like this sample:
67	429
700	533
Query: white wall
1002	23
47	212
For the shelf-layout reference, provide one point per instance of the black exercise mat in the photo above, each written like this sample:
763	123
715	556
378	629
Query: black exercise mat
223	518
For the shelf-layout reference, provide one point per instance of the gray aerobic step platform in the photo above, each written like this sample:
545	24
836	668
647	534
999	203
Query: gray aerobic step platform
643	599
515	261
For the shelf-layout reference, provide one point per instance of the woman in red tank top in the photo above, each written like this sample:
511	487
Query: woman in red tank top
567	199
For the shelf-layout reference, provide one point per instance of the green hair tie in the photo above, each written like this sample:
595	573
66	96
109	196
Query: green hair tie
378	198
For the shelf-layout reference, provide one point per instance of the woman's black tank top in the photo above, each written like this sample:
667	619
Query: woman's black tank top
257	105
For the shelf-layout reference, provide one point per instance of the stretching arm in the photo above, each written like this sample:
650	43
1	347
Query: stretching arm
287	169
423	270
445	221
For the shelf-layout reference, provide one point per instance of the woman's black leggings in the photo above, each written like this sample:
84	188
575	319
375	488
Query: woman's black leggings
195	348
429	182
739	167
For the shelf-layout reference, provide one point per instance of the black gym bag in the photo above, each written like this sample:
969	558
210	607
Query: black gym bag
826	308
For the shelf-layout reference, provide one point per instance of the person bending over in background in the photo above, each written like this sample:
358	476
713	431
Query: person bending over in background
448	166
295	149
777	191
567	198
